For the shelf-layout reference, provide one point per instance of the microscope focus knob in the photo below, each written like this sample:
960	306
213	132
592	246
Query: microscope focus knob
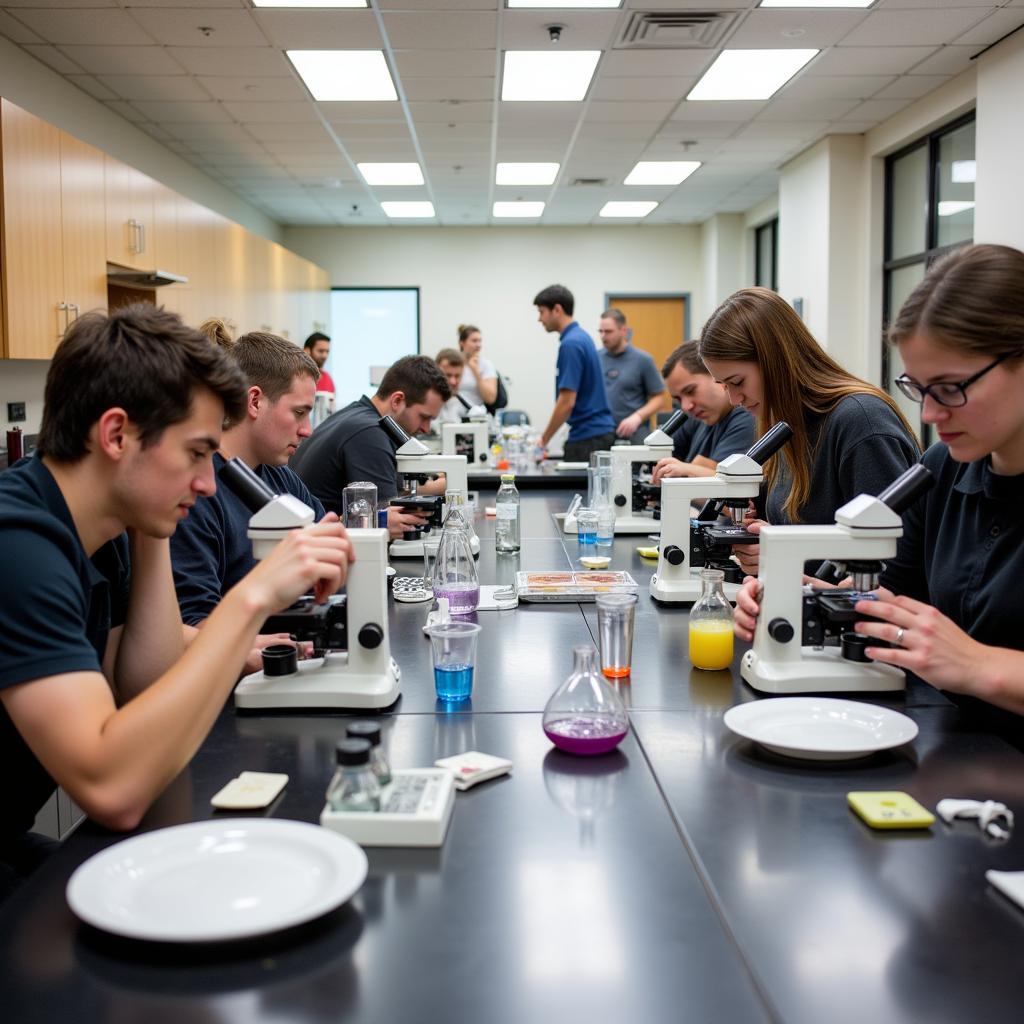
371	636
674	555
781	630
620	500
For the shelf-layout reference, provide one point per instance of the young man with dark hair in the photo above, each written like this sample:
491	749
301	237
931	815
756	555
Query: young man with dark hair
579	385
451	363
631	381
350	445
318	348
97	693
721	428
211	550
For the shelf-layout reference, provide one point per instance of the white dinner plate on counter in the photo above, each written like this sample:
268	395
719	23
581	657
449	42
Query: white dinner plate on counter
820	728
216	881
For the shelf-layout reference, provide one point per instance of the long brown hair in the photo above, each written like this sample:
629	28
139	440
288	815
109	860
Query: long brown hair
972	300
755	325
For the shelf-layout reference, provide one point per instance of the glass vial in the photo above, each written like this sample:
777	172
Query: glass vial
506	525
370	731
455	575
711	636
354	786
585	715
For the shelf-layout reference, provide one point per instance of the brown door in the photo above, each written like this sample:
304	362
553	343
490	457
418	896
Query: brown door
658	324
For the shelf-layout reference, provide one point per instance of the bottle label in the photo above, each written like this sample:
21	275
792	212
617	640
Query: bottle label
507	513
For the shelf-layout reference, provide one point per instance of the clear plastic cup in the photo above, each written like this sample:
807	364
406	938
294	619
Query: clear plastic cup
605	525
454	651
586	525
616	614
430	545
359	505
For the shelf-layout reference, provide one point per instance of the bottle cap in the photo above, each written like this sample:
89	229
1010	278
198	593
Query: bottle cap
352	752
363	730
507	478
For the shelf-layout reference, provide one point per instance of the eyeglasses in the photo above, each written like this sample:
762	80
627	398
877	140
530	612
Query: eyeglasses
950	395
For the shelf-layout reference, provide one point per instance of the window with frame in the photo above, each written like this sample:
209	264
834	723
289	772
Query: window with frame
766	255
929	210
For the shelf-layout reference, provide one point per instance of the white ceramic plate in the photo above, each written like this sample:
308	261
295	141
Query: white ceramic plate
212	881
820	728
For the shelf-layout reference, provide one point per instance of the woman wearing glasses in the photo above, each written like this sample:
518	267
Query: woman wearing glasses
849	437
960	563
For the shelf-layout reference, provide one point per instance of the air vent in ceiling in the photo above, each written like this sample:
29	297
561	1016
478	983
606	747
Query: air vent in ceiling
676	30
588	182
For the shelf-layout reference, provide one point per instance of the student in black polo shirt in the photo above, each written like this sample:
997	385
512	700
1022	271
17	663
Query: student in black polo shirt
97	693
960	562
721	428
211	550
849	436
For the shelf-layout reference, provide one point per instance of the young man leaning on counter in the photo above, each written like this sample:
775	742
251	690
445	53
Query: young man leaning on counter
97	692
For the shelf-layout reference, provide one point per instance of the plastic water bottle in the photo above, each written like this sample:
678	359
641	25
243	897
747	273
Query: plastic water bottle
506	526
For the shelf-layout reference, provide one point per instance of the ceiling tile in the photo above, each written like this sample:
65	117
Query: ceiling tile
320	30
524	113
429	31
601	110
613	131
445	63
250	89
782	29
449	88
57	60
311	148
698	130
905	28
664	87
85	26
163	112
439	111
379	151
876	110
125	110
94	87
718	110
14	30
164	3
911	87
225	28
581	29
383	110
249	113
862	60
785	109
837	87
287	132
950	60
247	61
215	133
453	131
439	5
777	130
123	60
389	131
994	27
16	4
644	63
154	87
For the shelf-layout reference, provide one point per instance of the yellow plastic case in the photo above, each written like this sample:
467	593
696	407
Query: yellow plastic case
890	810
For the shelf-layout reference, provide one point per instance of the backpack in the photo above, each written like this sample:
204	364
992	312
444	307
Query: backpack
500	399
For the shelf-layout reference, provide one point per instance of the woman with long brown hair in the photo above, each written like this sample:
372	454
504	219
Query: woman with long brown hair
957	622
849	437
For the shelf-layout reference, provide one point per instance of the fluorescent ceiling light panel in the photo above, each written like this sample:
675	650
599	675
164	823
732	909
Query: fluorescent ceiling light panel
391	174
951	207
527	174
310	3
545	75
346	75
964	172
661	172
860	4
749	74
417	209
517	209
564	5
631	209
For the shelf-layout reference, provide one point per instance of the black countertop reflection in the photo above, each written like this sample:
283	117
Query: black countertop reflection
561	893
846	923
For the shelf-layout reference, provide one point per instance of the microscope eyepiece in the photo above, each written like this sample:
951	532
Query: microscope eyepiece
245	485
674	422
466	404
765	447
393	430
907	488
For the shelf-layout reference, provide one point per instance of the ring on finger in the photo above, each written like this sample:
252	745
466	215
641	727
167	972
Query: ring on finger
899	636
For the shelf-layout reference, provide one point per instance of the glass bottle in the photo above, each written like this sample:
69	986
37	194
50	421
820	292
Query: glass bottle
585	715
506	525
454	568
711	624
370	731
354	786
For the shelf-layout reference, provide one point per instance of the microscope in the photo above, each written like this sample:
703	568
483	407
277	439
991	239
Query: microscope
417	465
352	665
470	437
708	537
792	652
633	496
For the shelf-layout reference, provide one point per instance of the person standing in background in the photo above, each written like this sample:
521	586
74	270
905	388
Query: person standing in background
451	364
318	348
580	397
480	377
631	380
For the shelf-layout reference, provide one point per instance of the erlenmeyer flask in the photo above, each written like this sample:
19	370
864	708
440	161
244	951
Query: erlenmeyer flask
585	715
711	624
454	568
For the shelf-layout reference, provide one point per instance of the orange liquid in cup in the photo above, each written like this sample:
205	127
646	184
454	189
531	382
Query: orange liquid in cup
615	672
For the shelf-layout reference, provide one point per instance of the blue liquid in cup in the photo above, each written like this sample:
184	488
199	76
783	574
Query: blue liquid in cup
453	682
590	537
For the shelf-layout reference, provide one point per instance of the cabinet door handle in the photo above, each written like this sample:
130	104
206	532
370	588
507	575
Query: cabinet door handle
142	238
133	235
62	307
74	306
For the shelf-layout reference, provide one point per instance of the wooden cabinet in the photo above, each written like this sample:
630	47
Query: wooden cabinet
53	232
129	208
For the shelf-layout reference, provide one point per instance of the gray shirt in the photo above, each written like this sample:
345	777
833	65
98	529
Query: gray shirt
860	447
630	379
731	435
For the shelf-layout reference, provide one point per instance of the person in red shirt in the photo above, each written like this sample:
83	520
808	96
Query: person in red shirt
318	348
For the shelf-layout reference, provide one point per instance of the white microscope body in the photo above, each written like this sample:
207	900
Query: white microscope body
363	676
470	438
866	530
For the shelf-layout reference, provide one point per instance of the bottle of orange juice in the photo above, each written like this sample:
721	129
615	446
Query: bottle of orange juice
711	624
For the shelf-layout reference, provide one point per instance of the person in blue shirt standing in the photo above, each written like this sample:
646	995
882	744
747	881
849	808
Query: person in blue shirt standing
580	397
632	383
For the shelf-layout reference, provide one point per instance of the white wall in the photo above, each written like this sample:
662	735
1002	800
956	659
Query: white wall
22	381
998	195
489	276
722	247
34	87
